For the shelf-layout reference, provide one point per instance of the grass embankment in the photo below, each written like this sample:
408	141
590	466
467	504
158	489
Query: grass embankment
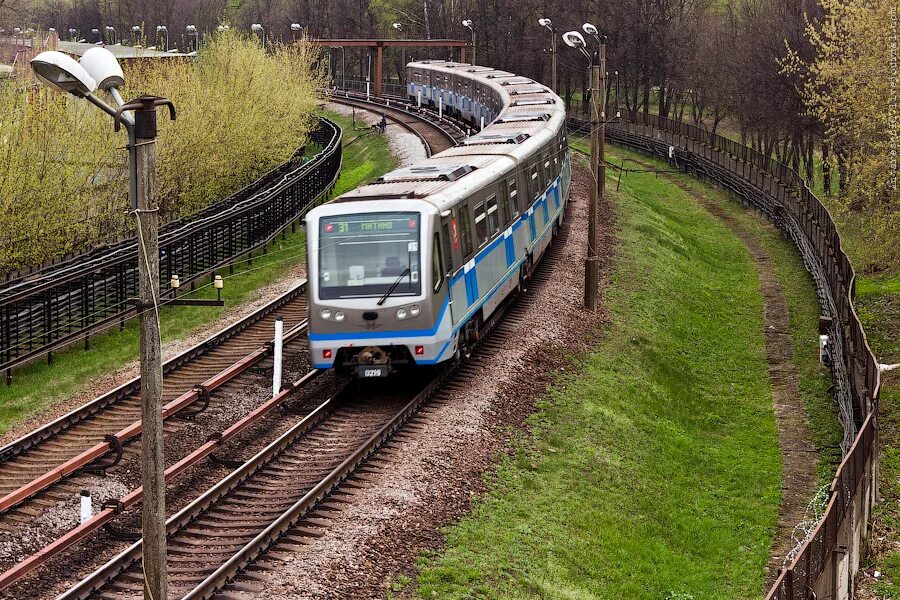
38	385
654	472
878	303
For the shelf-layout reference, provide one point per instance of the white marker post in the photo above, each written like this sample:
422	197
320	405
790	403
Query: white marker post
419	98
276	372
85	506
441	107
482	123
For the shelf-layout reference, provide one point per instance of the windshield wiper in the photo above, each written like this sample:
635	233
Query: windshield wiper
393	287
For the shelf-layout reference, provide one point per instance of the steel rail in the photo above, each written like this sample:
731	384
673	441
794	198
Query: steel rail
134	429
106	515
91	408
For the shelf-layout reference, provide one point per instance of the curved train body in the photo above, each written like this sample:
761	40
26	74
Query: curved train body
403	271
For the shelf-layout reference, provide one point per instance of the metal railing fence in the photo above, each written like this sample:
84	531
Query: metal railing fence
63	303
824	566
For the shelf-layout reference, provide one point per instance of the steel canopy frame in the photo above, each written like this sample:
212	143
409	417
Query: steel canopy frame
380	45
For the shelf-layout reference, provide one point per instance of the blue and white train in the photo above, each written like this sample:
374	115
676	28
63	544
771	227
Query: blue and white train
404	271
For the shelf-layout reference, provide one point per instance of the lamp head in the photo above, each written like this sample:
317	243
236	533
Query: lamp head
573	39
62	73
162	29
95	30
110	28
256	28
545	23
467	23
51	30
103	68
590	29
296	27
398	26
136	29
191	29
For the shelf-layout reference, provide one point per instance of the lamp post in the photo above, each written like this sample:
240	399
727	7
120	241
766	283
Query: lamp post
259	30
99	69
135	34
467	23
96	32
223	28
296	29
162	29
192	31
111	31
399	28
549	25
575	40
73	34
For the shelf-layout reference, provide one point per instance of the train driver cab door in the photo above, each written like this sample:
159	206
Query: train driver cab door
454	255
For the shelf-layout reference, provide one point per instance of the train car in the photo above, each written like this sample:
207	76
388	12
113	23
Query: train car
404	271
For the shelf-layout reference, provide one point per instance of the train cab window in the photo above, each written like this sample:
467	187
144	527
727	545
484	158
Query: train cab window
481	226
437	265
493	216
465	226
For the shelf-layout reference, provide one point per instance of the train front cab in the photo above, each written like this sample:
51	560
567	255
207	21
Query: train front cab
358	251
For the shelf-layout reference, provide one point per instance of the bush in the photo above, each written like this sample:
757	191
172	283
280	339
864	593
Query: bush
241	111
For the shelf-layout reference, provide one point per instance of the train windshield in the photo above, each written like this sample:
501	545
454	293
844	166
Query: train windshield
364	255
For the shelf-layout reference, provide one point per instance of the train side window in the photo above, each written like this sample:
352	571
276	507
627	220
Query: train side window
465	225
437	265
505	215
513	197
535	187
493	216
448	245
481	226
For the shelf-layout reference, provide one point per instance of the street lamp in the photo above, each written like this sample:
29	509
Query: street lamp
96	32
164	30
399	28
192	31
575	40
73	33
259	30
111	30
467	23
99	69
296	29
549	25
223	28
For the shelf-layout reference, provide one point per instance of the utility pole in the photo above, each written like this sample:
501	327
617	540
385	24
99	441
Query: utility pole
553	80
153	516
598	174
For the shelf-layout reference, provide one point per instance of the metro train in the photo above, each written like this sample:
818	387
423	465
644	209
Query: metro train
403	272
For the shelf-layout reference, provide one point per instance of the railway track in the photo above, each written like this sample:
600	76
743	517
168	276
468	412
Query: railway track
436	134
224	543
35	468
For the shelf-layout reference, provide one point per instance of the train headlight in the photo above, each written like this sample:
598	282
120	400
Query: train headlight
414	310
325	313
339	316
401	313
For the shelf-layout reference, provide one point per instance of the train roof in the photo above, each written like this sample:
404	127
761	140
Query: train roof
531	116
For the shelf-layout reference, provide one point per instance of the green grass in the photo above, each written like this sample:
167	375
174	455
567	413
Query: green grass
38	385
878	304
654	472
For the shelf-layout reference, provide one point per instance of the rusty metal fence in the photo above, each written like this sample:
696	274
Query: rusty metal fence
63	303
825	565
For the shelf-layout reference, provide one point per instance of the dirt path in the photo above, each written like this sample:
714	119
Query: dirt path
798	454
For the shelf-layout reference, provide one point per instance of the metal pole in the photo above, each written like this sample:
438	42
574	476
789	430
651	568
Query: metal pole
473	47
553	81
591	275
153	466
276	371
